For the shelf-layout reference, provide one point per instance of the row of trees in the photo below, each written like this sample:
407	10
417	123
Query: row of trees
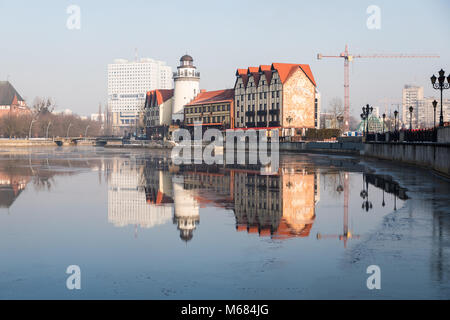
42	122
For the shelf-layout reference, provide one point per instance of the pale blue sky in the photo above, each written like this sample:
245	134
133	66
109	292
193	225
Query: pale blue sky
43	58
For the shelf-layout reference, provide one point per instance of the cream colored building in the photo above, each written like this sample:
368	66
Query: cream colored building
410	98
280	96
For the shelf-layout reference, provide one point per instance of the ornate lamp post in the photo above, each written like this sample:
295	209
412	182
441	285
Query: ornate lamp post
366	111
85	132
363	118
434	112
395	119
410	117
367	204
384	117
440	85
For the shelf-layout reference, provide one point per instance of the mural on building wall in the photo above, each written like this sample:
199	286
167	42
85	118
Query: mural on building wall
298	101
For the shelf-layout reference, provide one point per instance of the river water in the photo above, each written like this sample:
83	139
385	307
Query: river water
139	227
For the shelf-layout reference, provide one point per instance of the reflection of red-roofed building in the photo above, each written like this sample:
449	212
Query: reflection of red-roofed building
280	206
10	188
282	95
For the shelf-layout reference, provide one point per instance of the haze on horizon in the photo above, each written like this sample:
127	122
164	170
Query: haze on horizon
41	57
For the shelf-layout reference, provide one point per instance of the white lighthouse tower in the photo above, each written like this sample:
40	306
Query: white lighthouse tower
187	86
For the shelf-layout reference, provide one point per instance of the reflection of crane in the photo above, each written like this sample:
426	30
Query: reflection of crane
348	58
346	232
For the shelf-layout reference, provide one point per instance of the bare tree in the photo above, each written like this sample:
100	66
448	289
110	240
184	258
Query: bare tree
43	106
336	108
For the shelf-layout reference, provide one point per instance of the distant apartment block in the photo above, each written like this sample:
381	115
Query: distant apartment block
128	82
410	97
425	111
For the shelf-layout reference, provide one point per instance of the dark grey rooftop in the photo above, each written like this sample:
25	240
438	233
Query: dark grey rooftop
7	93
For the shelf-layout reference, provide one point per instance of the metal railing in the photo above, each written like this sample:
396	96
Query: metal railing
415	135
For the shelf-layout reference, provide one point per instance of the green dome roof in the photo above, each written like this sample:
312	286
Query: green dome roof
375	125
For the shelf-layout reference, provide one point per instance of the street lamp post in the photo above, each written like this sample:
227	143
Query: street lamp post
67	135
440	85
395	119
366	111
48	125
434	112
384	117
410	117
31	124
85	132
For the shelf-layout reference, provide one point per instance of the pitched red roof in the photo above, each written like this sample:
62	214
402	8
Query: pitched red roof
254	71
243	74
158	96
213	97
285	70
266	71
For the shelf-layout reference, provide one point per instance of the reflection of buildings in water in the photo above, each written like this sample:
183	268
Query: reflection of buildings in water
187	209
128	202
10	188
211	186
281	206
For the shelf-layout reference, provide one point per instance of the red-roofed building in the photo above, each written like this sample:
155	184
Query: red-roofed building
281	95
158	112
10	100
212	108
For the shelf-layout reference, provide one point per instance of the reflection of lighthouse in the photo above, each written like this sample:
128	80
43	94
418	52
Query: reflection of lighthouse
187	213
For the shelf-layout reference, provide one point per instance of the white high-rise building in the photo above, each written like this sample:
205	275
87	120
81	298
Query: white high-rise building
187	86
410	98
128	82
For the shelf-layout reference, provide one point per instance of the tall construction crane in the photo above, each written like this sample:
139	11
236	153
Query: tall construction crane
348	58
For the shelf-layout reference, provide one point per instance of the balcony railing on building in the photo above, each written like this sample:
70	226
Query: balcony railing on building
186	74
